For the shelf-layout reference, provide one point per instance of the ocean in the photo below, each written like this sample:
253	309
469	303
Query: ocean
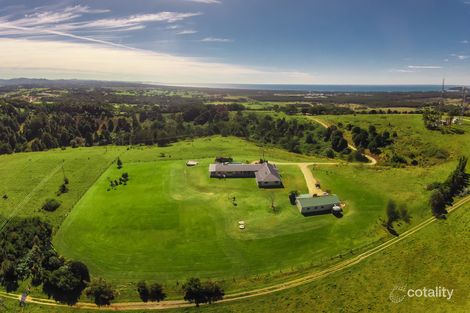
326	88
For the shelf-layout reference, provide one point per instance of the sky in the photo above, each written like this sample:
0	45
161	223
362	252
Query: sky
238	41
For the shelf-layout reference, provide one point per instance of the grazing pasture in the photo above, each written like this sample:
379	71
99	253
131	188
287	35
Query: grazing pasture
171	221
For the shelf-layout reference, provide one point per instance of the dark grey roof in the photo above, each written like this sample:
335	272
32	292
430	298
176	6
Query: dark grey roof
230	167
267	173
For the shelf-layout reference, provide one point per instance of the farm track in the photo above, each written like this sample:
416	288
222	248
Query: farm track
171	304
372	160
310	180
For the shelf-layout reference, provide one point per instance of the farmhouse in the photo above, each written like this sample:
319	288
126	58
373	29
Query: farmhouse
308	204
266	174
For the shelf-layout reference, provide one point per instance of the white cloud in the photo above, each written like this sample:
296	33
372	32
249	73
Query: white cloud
173	26
85	9
65	21
133	20
206	1
212	39
464	42
187	32
460	56
394	70
52	59
424	67
48	18
39	31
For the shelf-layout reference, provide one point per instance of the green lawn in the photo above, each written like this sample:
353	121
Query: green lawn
171	222
434	256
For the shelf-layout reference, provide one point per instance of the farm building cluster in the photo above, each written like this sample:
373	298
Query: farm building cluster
265	174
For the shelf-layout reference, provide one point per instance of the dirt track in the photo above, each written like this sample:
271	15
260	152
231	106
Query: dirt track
309	179
372	160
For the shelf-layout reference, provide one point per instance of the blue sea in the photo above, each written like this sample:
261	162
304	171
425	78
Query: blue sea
326	88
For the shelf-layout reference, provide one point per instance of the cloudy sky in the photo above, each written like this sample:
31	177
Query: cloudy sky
238	41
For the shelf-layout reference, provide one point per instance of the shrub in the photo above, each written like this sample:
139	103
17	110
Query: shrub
51	205
143	291
100	292
62	189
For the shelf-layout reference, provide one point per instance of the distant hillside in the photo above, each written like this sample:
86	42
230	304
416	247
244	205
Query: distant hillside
63	83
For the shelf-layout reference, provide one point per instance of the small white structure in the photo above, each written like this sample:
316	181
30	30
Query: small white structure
192	163
337	209
241	226
241	223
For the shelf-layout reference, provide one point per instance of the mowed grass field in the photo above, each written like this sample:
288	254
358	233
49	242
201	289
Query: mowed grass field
171	222
434	256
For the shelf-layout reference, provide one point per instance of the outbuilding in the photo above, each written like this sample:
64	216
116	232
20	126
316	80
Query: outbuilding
308	204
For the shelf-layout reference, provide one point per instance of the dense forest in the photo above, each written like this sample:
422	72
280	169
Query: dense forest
93	118
27	254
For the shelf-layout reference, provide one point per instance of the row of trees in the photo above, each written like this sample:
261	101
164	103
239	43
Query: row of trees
26	253
25	126
443	193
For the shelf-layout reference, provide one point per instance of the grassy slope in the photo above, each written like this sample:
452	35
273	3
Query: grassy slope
414	140
22	172
435	256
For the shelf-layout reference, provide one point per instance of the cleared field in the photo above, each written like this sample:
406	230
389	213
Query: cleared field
414	141
434	256
171	222
30	178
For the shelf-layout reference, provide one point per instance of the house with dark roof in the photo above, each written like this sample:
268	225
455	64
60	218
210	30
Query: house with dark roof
308	204
265	174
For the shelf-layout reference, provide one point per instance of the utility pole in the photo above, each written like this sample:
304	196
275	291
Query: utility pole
464	99
443	91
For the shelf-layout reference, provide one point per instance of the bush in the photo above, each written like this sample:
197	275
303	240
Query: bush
143	291
62	189
100	292
51	205
156	292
